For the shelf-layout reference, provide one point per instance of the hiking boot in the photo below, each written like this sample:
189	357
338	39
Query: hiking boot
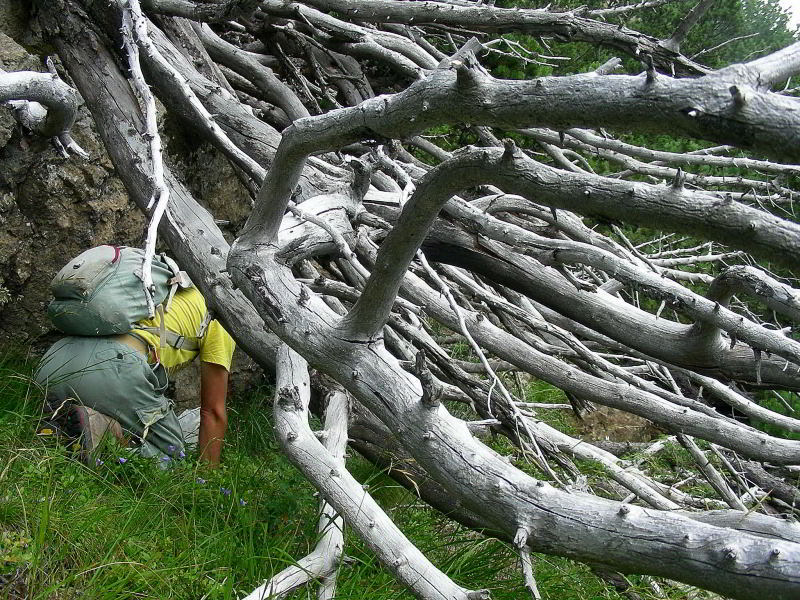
81	428
92	427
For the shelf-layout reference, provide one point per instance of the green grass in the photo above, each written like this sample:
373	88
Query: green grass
130	529
790	399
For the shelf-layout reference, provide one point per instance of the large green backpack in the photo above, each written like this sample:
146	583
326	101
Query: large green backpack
100	293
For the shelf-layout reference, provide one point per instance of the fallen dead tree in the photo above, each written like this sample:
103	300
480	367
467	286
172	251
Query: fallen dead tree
355	247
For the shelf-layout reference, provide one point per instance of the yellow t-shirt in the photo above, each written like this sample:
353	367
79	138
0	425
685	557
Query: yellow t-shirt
186	314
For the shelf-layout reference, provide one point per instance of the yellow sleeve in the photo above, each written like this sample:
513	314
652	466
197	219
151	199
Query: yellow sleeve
217	346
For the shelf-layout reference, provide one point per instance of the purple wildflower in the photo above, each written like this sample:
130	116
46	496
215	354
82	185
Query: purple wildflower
225	491
200	480
171	448
242	502
98	462
182	454
165	459
122	460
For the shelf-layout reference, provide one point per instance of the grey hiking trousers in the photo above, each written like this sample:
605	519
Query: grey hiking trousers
116	380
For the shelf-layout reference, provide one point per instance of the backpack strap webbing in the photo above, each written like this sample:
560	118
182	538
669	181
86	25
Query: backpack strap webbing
167	337
180	279
170	338
201	331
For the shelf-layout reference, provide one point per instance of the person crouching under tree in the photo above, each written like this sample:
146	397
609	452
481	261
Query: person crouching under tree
116	383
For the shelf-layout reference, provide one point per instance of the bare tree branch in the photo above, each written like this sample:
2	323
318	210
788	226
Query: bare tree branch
323	562
565	25
47	90
602	12
690	20
261	76
197	11
344	493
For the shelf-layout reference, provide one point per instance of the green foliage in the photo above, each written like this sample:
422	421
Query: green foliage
15	550
128	527
756	27
730	31
784	403
544	393
673	464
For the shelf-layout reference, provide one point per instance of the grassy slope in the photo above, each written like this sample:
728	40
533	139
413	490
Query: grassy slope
125	530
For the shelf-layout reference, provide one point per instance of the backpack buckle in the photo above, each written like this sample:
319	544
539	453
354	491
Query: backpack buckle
181	279
201	331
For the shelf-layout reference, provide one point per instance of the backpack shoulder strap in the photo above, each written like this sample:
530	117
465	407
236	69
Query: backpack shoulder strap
180	279
170	338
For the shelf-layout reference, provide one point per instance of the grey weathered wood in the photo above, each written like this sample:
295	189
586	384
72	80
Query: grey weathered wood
564	25
346	494
322	563
583	139
47	90
482	166
711	474
618	394
262	77
668	102
657	337
431	435
218	11
745	563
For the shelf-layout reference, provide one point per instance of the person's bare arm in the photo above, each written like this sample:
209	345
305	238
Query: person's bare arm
213	415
